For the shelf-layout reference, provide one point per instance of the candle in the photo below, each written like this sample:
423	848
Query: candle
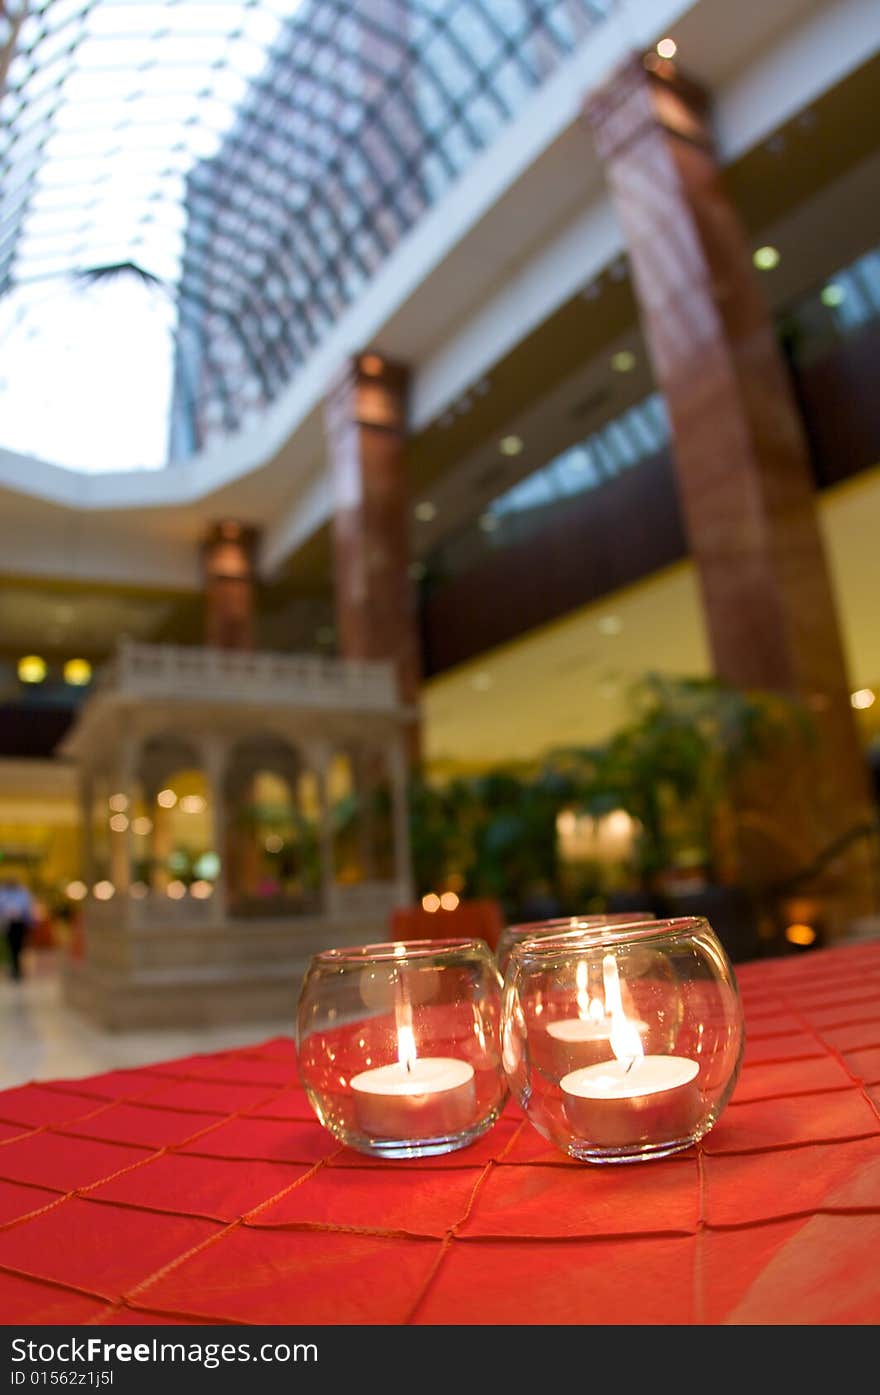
586	1039
634	1099
620	1104
414	1098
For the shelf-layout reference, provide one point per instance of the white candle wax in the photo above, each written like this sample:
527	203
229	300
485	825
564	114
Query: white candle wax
432	1097
620	1104
580	1041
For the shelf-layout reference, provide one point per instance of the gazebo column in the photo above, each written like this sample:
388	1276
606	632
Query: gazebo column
86	788
213	753
123	780
319	755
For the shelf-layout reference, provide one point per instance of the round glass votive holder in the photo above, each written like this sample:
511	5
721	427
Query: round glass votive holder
399	1045
622	1042
515	934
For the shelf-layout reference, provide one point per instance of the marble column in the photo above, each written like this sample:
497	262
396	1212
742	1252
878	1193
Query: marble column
228	569
365	425
743	468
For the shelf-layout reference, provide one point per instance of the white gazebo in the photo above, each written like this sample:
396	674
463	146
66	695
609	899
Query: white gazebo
240	811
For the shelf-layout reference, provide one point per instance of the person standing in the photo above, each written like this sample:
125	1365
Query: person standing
17	915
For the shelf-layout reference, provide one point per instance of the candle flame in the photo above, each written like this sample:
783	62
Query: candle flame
624	1036
406	1047
583	999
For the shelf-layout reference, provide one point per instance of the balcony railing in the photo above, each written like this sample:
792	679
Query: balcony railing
157	671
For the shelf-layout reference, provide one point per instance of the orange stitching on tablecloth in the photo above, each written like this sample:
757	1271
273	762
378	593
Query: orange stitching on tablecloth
446	1242
151	1155
225	1230
836	1054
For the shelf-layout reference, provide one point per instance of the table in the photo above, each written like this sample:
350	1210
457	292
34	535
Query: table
204	1191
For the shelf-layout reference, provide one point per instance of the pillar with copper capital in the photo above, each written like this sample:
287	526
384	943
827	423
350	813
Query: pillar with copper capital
228	568
743	468
365	425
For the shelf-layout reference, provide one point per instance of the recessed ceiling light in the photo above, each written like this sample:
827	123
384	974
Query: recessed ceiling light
863	698
833	294
510	445
32	669
77	672
624	361
667	48
425	511
766	258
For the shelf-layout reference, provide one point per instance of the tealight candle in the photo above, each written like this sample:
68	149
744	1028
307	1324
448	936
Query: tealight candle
620	1104
430	1098
586	1039
414	1098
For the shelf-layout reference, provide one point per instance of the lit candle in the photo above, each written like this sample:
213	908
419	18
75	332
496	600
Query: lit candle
416	1097
586	1039
633	1100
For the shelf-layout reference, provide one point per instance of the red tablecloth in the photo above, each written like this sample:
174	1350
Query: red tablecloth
204	1191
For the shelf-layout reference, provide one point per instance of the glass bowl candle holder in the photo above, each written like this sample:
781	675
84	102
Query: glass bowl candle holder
622	1042
399	1045
515	934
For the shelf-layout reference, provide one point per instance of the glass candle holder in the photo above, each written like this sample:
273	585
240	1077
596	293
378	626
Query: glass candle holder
540	929
622	1042
399	1045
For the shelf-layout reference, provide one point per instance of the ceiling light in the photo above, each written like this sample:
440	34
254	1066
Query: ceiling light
833	294
862	698
201	890
425	511
119	822
274	843
192	804
510	445
431	903
118	803
667	48
76	891
142	826
77	672
176	890
166	799
448	901
102	891
624	361
766	258
610	625
32	669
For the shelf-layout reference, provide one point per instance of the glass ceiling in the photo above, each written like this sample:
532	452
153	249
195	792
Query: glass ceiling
194	191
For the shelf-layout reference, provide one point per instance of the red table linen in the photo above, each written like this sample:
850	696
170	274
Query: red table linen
205	1191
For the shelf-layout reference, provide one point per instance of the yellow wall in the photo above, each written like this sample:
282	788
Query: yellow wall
566	683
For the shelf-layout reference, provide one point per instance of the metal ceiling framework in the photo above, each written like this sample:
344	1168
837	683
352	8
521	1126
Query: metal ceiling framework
254	161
